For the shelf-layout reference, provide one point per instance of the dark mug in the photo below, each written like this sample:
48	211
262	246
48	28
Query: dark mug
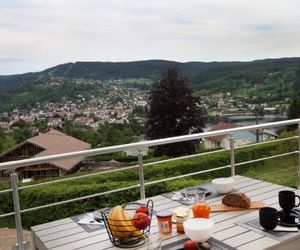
268	218
287	200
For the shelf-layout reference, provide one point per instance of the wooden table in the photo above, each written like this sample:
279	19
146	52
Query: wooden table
66	234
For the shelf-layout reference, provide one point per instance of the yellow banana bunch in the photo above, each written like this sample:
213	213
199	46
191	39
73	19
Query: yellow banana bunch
135	232
120	224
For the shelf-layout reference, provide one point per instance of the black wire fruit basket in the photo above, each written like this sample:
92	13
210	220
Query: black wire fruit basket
125	227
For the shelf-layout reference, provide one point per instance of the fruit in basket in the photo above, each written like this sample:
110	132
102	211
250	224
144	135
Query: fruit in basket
191	245
130	226
141	220
142	209
120	224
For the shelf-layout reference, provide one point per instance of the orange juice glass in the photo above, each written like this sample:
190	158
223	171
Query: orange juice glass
201	209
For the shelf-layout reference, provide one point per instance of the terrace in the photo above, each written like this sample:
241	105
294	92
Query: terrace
262	190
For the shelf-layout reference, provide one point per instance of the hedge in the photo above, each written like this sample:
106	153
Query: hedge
38	196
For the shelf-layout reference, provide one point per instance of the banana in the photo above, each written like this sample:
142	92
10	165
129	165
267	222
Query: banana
130	227
120	224
117	224
111	221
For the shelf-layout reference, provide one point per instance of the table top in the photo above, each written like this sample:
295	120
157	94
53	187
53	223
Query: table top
65	234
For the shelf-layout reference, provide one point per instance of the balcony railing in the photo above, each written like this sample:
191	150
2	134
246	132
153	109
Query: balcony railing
14	165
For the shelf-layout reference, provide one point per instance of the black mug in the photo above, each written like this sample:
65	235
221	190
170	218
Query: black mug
268	218
287	200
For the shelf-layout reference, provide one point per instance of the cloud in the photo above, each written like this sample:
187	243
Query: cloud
50	32
11	59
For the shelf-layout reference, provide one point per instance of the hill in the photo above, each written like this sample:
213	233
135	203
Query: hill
269	79
197	72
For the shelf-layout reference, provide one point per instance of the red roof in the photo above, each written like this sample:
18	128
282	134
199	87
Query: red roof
220	126
224	125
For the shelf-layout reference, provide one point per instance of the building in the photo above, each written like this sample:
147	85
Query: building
240	137
50	143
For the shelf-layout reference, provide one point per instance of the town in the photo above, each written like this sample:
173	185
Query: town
121	101
115	105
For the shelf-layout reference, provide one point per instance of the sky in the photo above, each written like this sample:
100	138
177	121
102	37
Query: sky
38	34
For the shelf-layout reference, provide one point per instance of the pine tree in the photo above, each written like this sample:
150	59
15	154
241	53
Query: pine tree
173	111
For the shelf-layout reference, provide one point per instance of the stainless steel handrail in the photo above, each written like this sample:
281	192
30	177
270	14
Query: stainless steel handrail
139	145
13	165
146	164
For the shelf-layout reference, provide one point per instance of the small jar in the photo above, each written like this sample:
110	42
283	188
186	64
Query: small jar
164	220
180	218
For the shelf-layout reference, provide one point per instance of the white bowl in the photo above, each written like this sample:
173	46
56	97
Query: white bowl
198	229
223	185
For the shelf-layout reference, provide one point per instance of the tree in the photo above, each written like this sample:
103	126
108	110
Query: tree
293	112
294	107
296	85
7	141
173	111
258	110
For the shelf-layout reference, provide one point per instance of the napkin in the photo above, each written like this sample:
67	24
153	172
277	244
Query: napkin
177	196
89	219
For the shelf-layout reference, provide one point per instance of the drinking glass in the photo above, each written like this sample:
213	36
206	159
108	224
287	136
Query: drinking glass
201	209
153	241
195	194
200	196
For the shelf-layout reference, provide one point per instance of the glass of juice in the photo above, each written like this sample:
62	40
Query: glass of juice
201	209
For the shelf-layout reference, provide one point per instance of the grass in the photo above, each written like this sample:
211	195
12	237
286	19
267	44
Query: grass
282	171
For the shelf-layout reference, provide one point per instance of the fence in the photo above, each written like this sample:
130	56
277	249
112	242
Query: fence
13	165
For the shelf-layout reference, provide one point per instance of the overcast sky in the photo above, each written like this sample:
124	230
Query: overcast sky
36	34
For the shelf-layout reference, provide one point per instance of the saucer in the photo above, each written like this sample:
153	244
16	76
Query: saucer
288	220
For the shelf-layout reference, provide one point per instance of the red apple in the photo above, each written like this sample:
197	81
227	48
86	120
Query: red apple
141	220
191	245
142	209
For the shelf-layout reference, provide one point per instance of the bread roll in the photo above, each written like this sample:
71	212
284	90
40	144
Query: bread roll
237	200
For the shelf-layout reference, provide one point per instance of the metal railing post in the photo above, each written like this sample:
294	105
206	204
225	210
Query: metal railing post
232	159
141	174
298	156
20	236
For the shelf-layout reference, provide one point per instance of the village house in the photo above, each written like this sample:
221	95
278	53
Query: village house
84	121
50	143
240	137
55	122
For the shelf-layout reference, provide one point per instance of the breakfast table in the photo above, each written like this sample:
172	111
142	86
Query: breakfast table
237	229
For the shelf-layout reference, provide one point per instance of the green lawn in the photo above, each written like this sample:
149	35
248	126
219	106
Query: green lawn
282	171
